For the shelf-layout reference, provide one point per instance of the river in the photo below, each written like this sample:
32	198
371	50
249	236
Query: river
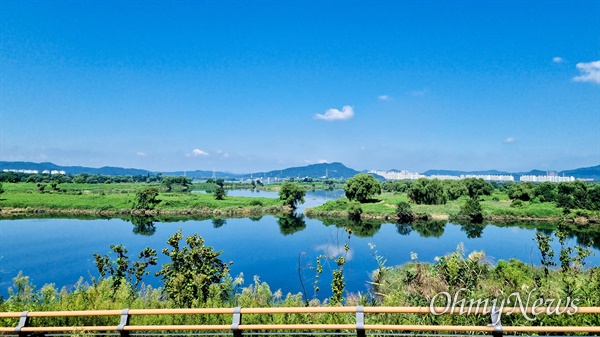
60	251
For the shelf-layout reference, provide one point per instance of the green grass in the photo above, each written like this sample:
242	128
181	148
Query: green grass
496	206
119	198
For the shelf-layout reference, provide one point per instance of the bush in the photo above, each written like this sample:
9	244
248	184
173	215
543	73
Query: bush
354	211
193	271
292	194
427	192
404	212
146	199
472	209
220	193
362	187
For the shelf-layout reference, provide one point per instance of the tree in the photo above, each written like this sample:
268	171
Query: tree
477	187
146	199
1	188
182	181
121	270
193	270
521	191
220	193
292	194
427	191
546	191
362	187
455	189
404	212
472	209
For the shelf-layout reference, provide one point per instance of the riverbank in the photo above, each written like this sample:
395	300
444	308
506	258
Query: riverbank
496	207
117	200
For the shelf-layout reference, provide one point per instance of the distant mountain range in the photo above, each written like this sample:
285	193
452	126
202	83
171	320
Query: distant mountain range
328	170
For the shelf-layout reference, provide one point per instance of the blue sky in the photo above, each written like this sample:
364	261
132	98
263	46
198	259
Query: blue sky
247	86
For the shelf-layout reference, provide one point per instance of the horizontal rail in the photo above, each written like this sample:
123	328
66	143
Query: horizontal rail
298	310
237	326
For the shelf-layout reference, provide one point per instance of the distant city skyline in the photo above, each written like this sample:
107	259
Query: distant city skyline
257	86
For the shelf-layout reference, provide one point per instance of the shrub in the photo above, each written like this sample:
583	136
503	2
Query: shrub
472	209
354	211
404	212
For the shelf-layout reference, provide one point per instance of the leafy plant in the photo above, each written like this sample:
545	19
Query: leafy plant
192	271
121	270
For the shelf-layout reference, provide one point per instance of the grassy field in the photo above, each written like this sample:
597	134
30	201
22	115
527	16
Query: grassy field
495	207
119	198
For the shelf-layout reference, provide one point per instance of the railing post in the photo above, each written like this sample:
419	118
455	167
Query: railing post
495	316
236	321
22	323
124	322
360	321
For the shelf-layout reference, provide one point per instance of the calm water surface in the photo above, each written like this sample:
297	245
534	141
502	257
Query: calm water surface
60	251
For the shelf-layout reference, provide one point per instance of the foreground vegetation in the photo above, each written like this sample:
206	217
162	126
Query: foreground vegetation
197	277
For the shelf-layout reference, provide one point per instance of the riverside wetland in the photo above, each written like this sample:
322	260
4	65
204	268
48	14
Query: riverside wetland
470	199
321	253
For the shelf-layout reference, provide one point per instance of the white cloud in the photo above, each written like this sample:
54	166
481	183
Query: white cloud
558	59
510	140
590	72
335	114
197	153
141	154
384	97
222	153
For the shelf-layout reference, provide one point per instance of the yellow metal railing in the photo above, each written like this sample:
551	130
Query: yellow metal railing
237	327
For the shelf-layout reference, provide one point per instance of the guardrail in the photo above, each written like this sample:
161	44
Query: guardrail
236	328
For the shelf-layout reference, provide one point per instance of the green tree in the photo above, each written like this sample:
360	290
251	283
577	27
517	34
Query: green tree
472	209
121	270
455	189
1	188
522	191
146	199
220	193
193	270
292	194
184	182
362	187
404	212
428	192
477	187
546	191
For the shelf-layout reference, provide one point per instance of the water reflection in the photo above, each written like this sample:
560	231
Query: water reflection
431	228
219	222
143	225
291	223
360	228
473	230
